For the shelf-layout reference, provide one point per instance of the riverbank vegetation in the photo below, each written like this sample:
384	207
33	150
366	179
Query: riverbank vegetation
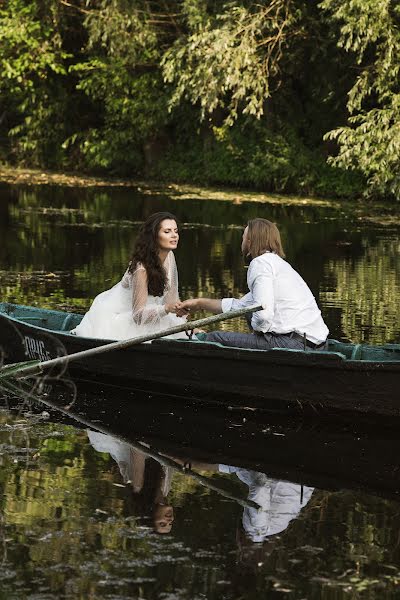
286	96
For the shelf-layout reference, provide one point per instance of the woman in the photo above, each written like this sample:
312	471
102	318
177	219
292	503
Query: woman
145	299
290	317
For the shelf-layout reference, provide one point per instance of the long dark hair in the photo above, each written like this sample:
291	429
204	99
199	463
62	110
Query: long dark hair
145	252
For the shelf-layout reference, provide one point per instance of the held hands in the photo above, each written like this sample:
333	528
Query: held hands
186	307
182	309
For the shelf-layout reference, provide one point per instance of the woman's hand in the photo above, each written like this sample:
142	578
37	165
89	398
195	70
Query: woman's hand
187	306
181	309
171	308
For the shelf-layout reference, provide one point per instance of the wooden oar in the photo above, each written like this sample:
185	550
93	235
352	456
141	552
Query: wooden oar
35	367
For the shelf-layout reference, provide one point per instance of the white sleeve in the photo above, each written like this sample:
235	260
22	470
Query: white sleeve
228	304
260	282
227	469
143	313
171	296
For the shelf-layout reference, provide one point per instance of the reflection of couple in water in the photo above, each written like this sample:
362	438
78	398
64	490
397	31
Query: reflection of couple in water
280	501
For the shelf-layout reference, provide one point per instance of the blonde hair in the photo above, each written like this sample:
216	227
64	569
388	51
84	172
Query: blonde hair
263	236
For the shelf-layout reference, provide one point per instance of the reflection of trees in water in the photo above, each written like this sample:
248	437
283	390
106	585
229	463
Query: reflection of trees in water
343	543
66	512
367	291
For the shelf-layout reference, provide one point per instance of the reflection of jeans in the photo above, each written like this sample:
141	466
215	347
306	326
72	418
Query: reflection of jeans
256	341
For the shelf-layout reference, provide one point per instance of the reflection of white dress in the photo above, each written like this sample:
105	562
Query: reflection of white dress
127	310
131	462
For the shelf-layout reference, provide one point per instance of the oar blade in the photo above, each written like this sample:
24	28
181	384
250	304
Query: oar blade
16	370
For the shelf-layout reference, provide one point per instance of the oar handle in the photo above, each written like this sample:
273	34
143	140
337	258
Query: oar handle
37	368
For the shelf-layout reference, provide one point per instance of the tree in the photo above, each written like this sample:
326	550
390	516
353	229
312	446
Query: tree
120	74
32	62
369	29
230	60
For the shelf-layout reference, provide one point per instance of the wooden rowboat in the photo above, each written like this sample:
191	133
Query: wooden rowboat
348	378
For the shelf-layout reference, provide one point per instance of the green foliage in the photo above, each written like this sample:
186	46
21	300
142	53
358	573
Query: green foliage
133	108
108	85
30	46
121	77
249	155
232	60
32	62
122	30
371	141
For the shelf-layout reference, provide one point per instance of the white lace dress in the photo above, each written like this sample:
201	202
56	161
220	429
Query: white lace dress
127	310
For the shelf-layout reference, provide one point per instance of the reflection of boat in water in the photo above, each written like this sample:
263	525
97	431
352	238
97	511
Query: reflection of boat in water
352	378
318	454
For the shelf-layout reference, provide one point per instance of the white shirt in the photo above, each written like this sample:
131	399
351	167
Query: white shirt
285	297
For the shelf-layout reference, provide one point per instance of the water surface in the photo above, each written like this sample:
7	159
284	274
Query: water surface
87	515
82	515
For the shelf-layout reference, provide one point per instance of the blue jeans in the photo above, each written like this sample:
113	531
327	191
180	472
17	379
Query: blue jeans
263	341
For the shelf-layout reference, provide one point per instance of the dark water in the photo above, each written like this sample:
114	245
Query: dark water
87	515
80	512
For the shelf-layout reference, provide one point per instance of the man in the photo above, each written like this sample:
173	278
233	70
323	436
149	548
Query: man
290	317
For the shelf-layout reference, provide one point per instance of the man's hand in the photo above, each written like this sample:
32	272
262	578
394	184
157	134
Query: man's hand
187	306
194	304
173	308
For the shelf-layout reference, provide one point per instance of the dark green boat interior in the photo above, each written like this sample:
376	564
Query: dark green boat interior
54	320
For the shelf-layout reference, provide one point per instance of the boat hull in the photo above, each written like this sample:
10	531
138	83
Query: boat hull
275	379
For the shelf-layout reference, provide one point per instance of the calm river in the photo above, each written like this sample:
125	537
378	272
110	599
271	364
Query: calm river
87	513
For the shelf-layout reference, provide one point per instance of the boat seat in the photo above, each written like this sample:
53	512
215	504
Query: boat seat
68	322
356	353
